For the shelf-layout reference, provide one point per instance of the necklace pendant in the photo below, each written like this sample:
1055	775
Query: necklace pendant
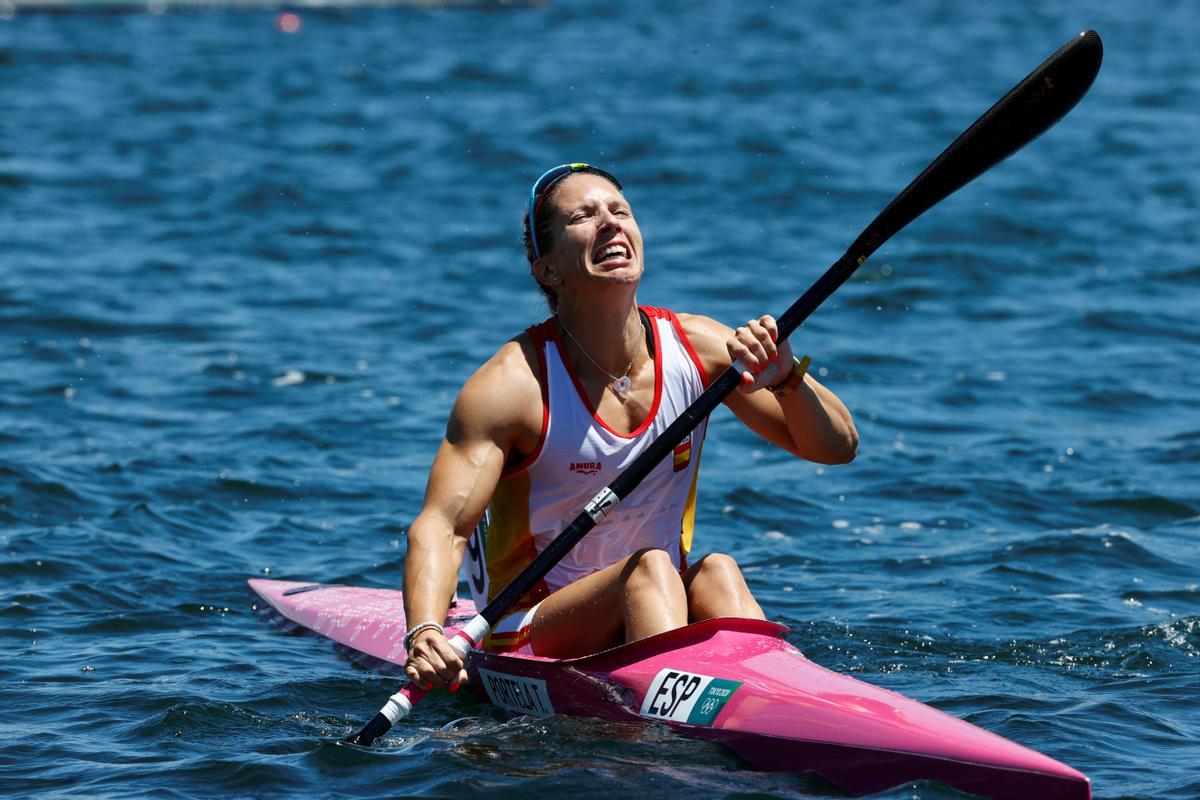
622	385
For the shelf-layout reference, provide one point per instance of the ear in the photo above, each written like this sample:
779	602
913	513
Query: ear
545	273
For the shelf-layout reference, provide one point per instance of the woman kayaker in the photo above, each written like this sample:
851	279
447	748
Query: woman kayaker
558	411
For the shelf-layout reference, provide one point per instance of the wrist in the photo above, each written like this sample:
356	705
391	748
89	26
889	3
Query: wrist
420	630
793	379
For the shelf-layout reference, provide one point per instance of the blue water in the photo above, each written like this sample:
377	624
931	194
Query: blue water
243	273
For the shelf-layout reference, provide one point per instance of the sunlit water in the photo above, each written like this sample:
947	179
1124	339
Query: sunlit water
243	273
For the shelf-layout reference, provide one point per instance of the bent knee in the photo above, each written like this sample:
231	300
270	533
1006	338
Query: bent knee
716	573
717	588
718	565
652	565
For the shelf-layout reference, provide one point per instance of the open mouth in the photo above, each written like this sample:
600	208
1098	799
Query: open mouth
610	252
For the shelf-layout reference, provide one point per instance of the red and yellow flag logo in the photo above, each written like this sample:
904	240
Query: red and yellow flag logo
683	454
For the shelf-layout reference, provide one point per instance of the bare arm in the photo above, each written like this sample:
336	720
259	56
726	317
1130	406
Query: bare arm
493	418
811	422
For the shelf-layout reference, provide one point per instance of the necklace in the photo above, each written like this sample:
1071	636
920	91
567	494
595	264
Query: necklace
620	385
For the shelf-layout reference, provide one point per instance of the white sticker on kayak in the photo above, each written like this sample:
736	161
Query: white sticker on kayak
687	697
514	693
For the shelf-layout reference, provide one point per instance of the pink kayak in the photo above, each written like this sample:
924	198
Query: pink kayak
733	681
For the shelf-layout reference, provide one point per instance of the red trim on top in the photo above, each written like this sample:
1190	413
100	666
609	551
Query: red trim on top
566	362
539	334
683	338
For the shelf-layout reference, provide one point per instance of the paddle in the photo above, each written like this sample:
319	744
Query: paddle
1028	110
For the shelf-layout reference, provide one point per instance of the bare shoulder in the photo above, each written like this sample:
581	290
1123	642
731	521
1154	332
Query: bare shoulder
502	400
708	337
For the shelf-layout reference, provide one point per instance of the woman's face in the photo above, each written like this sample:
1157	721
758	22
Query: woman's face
594	236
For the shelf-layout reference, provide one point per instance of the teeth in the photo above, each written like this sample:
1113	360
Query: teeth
615	250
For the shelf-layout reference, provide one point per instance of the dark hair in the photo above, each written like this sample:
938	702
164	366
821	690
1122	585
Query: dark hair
542	227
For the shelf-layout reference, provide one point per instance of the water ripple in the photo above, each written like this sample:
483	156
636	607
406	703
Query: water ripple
246	271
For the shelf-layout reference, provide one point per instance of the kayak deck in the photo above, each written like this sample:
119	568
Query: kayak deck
734	681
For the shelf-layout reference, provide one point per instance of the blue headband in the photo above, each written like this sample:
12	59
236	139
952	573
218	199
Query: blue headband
548	179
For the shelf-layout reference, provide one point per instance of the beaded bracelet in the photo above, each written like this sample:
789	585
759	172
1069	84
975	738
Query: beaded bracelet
424	626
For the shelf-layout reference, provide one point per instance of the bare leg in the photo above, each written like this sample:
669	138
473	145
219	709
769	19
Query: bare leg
716	588
639	596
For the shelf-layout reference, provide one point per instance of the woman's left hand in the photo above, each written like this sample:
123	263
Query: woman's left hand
765	361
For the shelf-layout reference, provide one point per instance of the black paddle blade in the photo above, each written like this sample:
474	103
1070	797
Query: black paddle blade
1025	113
378	726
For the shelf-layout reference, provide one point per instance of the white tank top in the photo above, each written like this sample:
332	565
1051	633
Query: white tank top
577	455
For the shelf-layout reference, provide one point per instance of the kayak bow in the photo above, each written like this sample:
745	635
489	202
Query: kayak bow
733	681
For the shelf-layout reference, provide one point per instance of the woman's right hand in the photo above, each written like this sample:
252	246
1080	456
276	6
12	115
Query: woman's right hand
432	662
